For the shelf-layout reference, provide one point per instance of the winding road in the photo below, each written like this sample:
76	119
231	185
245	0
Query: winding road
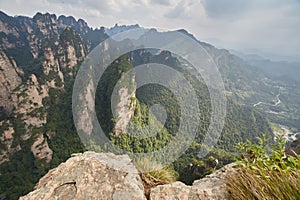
278	101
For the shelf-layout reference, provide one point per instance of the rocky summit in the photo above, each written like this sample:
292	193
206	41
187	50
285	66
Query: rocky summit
107	176
91	176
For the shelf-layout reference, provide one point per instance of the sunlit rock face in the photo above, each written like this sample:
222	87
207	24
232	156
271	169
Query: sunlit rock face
91	176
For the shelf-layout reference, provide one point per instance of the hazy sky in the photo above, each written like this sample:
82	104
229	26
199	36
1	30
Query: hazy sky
268	26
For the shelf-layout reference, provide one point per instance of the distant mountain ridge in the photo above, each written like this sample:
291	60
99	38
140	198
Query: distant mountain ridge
275	69
120	28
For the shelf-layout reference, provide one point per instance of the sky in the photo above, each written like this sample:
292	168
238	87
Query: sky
267	27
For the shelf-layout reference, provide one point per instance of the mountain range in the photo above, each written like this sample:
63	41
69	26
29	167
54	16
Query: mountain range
39	61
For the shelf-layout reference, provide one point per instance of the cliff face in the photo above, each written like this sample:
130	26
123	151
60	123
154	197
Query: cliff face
27	35
107	176
36	55
40	56
9	80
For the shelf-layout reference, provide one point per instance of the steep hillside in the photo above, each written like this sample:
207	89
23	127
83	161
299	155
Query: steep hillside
286	78
39	59
10	79
281	79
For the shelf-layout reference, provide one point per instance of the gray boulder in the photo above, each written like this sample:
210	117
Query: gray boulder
91	176
211	187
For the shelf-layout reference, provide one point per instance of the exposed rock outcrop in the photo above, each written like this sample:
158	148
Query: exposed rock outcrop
29	98
293	148
91	176
125	107
9	80
41	150
6	139
107	176
85	119
177	190
212	187
44	51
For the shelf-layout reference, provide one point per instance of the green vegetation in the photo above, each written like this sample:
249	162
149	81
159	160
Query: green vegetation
242	123
257	156
19	176
21	173
265	174
60	121
69	37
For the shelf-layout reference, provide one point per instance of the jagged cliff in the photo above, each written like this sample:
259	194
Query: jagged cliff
50	50
9	80
39	59
40	55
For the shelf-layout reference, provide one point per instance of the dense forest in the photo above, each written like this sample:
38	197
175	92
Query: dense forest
242	123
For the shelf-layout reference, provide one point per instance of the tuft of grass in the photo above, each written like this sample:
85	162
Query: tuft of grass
265	174
248	184
153	174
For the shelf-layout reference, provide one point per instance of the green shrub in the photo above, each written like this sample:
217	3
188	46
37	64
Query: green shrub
265	173
260	157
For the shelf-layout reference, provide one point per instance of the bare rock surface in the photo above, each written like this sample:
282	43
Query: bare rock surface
211	187
41	150
9	80
108	176
294	147
91	176
176	191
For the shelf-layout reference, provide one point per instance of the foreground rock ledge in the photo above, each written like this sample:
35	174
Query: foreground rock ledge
107	176
211	187
90	176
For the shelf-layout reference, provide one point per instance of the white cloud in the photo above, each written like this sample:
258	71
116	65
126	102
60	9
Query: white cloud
183	10
268	25
162	2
